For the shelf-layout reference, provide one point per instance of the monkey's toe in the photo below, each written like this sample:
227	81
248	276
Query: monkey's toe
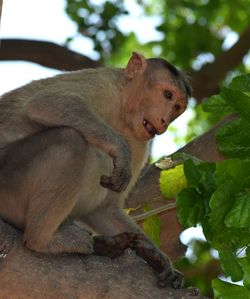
88	247
170	278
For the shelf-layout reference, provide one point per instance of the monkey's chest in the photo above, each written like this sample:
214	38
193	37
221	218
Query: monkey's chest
92	194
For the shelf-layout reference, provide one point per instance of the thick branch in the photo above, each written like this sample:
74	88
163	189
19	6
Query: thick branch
28	275
44	53
206	80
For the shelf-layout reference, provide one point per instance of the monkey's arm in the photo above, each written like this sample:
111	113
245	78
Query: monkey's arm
70	111
119	232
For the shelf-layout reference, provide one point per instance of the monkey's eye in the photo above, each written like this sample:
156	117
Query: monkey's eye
168	94
177	107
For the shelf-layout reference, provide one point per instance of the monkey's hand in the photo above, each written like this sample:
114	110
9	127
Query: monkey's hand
121	175
158	261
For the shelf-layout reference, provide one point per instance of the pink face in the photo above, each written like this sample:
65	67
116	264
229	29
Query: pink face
153	100
163	102
156	106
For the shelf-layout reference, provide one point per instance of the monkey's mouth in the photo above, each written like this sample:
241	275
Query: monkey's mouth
149	128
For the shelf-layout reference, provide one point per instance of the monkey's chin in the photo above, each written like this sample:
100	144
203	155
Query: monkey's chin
142	134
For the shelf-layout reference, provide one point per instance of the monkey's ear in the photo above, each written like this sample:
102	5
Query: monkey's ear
136	64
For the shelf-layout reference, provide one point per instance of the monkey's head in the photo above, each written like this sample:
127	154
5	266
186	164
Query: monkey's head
156	93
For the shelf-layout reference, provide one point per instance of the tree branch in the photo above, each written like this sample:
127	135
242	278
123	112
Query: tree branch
206	80
27	275
44	53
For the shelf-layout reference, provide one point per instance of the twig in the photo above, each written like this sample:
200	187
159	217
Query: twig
156	211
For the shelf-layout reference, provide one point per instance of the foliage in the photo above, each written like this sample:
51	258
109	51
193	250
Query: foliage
152	228
188	33
218	195
200	267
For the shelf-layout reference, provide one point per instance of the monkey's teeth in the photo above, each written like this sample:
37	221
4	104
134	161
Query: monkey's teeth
149	128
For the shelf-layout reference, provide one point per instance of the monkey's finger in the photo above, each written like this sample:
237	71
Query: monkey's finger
108	182
170	277
120	179
105	182
109	246
177	280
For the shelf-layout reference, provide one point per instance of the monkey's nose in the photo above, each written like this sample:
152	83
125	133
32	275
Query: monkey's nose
162	129
164	121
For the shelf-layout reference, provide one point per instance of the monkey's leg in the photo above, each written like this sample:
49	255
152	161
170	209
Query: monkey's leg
45	171
120	232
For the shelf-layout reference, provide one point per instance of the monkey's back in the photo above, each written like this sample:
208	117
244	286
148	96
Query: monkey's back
85	85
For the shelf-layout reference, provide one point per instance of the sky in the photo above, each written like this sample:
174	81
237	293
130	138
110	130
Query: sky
46	20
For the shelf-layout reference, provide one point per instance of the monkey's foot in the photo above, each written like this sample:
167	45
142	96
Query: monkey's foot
112	246
158	261
115	246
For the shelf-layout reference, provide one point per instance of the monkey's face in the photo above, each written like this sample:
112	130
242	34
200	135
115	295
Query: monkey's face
156	102
155	95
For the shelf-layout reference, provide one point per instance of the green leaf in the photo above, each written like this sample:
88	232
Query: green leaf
226	290
230	263
221	202
239	215
245	262
248	252
172	181
192	173
217	104
200	175
239	101
152	228
233	139
233	169
190	210
241	83
207	182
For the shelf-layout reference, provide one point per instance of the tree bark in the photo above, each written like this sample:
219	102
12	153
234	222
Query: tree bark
28	275
47	54
206	81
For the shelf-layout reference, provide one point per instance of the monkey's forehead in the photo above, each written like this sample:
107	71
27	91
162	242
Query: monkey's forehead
164	76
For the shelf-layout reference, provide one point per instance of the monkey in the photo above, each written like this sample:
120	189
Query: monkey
73	146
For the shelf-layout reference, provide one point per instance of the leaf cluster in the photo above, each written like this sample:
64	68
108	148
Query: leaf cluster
98	21
188	33
217	195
